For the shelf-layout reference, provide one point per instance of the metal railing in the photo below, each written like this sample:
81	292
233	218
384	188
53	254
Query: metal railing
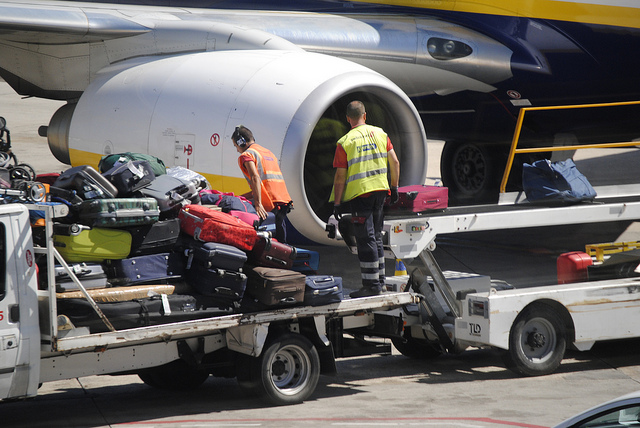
516	137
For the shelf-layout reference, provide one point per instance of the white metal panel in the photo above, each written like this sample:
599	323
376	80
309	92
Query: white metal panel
601	310
409	236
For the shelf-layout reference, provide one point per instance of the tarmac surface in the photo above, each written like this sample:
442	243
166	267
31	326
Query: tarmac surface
470	390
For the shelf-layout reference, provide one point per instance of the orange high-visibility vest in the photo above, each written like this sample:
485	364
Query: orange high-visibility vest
273	188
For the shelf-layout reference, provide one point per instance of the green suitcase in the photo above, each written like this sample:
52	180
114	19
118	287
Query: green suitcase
94	245
107	162
119	212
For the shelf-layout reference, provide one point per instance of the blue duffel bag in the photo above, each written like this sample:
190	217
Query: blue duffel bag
561	182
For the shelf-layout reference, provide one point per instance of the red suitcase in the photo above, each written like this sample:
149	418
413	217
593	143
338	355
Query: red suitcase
573	267
208	225
419	198
271	253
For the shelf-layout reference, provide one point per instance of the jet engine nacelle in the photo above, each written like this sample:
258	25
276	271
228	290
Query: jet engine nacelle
183	109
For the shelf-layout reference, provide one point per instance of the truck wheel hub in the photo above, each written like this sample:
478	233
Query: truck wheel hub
536	340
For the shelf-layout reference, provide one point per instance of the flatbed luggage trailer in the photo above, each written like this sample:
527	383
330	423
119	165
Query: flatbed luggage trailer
534	326
277	354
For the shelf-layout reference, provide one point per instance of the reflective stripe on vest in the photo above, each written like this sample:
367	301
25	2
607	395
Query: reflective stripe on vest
273	188
366	149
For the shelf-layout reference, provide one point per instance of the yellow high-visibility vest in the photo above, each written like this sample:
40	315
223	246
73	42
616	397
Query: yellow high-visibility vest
366	149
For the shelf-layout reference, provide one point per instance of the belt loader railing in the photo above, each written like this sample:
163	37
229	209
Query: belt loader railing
516	136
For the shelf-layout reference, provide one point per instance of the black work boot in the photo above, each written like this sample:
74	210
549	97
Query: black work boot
365	292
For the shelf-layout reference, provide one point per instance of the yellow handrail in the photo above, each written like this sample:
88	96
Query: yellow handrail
516	137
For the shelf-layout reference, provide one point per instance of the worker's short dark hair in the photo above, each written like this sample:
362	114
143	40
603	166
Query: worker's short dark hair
243	134
355	109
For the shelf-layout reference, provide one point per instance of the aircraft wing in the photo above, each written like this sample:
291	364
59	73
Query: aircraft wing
50	24
175	82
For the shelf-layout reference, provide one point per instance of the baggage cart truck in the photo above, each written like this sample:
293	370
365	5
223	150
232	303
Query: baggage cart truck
275	353
533	326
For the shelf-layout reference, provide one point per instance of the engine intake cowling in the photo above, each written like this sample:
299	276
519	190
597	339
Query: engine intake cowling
184	109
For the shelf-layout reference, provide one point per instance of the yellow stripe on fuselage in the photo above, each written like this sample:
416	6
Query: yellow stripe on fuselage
619	13
237	185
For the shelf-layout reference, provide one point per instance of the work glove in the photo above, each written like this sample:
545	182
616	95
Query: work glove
394	195
336	212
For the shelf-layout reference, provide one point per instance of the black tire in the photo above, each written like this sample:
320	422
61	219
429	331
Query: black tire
537	342
8	159
472	172
415	348
20	173
286	372
176	375
27	167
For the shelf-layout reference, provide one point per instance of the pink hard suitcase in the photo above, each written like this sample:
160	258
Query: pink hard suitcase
249	218
418	198
573	267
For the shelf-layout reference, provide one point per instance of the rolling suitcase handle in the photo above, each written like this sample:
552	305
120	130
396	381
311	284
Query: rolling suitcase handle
224	291
334	289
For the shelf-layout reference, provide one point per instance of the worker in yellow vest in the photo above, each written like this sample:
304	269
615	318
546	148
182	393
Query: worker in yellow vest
260	167
361	182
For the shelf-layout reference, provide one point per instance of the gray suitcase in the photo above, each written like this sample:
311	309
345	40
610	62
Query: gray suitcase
91	275
171	192
119	212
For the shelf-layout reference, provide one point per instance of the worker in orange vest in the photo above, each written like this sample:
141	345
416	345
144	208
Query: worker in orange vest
260	167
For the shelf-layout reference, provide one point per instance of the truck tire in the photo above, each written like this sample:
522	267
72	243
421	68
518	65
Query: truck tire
415	348
176	375
537	342
286	372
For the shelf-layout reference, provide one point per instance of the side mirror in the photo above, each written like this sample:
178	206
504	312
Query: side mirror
3	123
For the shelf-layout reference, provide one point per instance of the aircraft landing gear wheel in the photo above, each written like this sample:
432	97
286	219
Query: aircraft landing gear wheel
537	342
286	372
176	375
471	172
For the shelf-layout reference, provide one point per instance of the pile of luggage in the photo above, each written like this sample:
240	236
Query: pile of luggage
150	252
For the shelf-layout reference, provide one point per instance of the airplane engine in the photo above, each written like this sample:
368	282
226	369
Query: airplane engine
184	109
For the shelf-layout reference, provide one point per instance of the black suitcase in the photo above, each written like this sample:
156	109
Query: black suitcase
171	192
156	310
275	287
130	177
212	254
322	290
118	212
158	237
87	182
271	253
153	268
91	275
226	286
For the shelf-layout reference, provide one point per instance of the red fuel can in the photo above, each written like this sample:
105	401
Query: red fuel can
572	267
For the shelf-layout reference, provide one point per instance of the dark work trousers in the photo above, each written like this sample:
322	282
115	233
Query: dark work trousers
281	212
368	221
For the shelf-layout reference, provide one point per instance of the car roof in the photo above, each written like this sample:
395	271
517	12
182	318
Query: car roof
630	398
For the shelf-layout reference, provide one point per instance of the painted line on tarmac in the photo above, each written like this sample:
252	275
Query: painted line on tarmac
456	422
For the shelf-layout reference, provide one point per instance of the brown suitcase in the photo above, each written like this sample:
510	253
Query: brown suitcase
276	287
